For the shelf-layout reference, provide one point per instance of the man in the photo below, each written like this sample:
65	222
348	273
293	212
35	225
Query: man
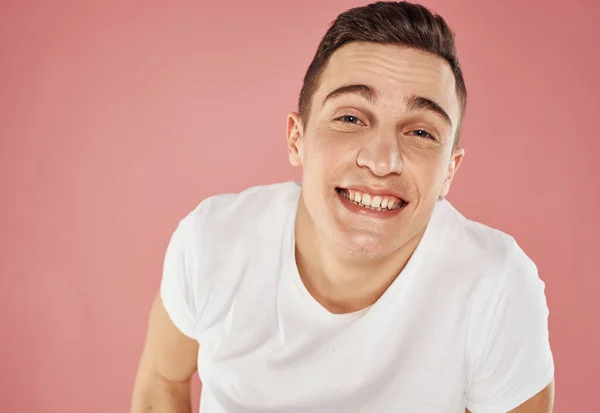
361	289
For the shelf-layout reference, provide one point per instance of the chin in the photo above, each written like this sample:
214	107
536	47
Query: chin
365	246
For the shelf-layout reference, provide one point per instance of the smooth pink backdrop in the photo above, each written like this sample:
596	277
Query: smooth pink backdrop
116	118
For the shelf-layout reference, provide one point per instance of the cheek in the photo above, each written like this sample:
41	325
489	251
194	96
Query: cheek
328	151
428	174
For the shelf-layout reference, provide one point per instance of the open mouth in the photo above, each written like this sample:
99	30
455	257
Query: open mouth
372	202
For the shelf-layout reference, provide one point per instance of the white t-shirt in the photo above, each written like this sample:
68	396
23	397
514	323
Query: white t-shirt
463	325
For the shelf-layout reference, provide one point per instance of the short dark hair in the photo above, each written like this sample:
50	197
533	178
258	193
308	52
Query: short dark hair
393	23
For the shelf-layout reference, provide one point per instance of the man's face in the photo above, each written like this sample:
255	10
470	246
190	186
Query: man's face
385	139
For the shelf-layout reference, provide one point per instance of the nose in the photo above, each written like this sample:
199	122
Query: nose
381	154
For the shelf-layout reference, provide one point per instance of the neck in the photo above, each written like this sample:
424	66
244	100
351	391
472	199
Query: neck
339	281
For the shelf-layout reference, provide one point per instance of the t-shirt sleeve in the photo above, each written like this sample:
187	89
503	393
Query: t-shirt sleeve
177	284
510	359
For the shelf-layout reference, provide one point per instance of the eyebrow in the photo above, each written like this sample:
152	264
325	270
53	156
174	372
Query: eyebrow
413	102
367	92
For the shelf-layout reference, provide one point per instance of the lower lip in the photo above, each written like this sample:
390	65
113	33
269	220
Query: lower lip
357	209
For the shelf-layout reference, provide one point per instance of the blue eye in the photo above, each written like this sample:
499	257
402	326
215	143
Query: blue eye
349	119
422	134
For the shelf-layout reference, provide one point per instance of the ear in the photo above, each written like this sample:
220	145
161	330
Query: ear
294	138
455	161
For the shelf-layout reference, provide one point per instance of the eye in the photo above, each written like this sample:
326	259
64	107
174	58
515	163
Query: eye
349	119
422	134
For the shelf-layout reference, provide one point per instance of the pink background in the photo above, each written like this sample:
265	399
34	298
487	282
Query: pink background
116	119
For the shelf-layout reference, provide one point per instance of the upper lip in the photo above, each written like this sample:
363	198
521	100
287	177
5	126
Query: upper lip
375	191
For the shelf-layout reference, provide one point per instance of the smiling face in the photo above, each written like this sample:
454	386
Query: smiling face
380	133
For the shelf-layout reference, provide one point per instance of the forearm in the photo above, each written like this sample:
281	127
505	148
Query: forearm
154	394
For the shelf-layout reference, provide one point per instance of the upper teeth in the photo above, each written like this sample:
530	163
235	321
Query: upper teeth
374	201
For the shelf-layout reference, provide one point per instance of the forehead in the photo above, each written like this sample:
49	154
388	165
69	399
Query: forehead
395	71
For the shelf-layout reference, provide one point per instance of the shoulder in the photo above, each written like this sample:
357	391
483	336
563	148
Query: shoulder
247	210
487	251
508	353
212	245
232	225
492	266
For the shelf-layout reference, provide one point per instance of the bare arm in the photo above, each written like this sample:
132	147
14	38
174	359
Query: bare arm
167	364
543	402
